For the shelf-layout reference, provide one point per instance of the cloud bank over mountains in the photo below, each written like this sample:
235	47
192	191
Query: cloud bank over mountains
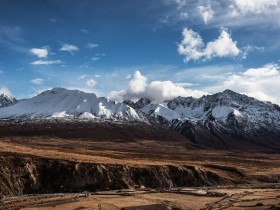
261	83
139	87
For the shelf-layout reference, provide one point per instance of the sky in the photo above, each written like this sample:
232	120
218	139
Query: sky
127	49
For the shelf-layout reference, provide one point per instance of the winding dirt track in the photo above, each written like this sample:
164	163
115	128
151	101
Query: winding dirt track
151	200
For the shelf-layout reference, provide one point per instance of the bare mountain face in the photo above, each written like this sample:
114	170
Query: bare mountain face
223	120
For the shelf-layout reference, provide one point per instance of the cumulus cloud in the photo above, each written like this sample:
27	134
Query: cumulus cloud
139	87
5	90
138	84
37	81
261	83
206	13
69	48
193	47
46	62
40	52
90	82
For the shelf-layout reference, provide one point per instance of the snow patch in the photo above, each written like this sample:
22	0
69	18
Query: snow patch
221	112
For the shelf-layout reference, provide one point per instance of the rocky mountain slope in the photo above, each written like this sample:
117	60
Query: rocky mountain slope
219	119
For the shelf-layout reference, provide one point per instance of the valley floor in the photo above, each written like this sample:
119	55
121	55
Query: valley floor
142	153
214	179
185	198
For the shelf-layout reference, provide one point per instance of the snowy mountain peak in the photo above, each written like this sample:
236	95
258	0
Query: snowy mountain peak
6	100
60	102
129	103
219	118
142	102
59	90
229	92
226	108
138	104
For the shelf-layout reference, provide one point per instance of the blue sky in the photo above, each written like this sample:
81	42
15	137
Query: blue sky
131	48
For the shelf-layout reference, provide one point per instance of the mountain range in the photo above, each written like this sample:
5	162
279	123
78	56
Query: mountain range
222	120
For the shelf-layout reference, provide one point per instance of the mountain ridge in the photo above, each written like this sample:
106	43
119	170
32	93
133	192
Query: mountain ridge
60	102
223	119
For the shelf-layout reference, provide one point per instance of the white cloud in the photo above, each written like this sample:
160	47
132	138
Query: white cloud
90	82
138	84
55	20
5	90
181	3
84	31
224	46
260	17
40	52
184	84
83	76
92	45
261	83
46	62
246	50
37	81
100	54
254	6
69	48
184	15
95	58
11	37
206	13
118	95
267	70
158	90
193	48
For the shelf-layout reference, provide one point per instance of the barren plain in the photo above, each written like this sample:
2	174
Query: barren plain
48	170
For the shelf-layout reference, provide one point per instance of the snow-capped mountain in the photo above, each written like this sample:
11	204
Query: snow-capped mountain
6	100
61	103
216	118
225	119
